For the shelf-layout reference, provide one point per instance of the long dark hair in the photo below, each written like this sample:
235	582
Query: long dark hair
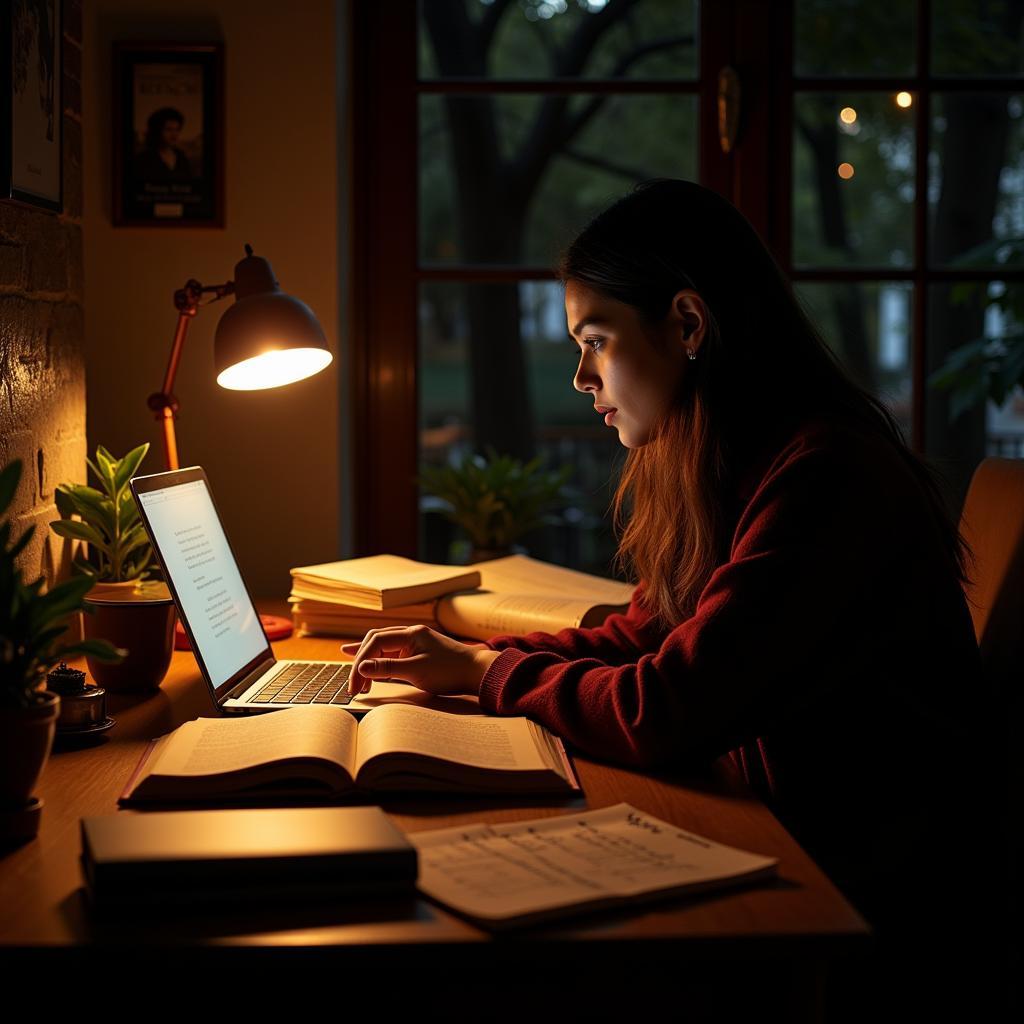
761	360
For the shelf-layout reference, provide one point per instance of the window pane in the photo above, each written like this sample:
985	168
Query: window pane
973	407
499	184
868	325
978	37
558	39
854	37
853	180
464	328
976	179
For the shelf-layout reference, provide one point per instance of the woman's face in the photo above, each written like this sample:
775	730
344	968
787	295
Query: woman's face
631	369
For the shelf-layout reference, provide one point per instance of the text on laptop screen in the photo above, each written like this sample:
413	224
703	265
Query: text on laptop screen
197	559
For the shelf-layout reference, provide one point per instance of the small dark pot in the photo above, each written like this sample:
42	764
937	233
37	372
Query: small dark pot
140	620
26	737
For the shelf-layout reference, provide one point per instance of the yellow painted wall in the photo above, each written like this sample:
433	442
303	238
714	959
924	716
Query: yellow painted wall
272	457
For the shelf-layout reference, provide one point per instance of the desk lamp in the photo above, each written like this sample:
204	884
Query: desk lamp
265	340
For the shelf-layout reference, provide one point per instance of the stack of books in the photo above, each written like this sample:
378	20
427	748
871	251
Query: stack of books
513	595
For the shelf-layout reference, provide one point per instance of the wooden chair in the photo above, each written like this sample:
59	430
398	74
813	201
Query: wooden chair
993	524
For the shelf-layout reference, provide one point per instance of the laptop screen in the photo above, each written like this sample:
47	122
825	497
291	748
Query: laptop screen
203	574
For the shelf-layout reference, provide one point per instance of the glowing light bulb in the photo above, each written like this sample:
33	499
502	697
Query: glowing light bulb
845	171
274	369
847	115
904	99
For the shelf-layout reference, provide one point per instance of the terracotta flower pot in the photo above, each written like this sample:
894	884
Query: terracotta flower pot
26	737
139	618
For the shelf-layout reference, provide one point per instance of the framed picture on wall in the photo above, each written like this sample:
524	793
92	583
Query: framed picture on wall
31	122
168	135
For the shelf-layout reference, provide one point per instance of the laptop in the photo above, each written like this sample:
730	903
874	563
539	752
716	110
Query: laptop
213	602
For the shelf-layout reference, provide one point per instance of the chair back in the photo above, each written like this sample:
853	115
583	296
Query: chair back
993	525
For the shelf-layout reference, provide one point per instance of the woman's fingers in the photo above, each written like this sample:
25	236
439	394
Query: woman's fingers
407	669
415	654
393	641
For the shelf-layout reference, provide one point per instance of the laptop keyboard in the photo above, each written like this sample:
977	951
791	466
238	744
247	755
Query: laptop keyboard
307	683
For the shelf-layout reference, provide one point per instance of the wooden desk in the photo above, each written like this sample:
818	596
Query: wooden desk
771	942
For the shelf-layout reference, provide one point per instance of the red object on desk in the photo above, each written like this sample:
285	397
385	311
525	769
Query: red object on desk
275	626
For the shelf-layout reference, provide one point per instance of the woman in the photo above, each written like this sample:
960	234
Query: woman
800	605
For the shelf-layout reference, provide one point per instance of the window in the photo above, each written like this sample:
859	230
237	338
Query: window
879	154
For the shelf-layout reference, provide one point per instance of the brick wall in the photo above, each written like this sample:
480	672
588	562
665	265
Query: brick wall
42	370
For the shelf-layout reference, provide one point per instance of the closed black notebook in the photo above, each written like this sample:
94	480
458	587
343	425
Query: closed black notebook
168	857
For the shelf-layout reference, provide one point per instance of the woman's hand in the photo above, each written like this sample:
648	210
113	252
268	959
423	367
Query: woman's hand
418	655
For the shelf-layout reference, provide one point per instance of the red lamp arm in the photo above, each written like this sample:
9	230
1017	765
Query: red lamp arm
164	404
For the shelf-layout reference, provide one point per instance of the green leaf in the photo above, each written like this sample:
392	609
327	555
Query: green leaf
42	642
9	478
101	649
137	539
63	599
128	465
94	507
64	501
129	511
84	567
75	530
107	464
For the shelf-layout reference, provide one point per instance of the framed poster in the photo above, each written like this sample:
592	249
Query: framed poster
168	135
31	122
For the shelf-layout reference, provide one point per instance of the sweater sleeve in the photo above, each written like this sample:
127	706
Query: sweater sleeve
757	645
621	638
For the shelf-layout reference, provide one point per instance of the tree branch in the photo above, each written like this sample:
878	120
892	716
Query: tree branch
605	165
489	24
581	43
554	129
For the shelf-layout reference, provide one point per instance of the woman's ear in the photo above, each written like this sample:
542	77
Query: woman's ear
690	317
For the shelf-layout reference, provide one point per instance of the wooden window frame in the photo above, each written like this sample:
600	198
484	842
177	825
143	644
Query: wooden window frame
753	37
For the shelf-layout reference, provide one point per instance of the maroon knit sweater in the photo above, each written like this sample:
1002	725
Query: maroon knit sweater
832	656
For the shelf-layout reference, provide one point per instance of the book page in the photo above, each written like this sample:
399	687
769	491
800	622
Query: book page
208	746
521	595
522	868
483	614
479	740
520	574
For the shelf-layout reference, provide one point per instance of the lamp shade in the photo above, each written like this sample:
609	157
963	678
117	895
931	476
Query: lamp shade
266	338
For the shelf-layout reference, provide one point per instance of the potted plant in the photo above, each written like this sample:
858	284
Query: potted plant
119	549
132	611
496	499
31	623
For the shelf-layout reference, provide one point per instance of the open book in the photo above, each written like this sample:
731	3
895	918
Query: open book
313	750
517	595
522	872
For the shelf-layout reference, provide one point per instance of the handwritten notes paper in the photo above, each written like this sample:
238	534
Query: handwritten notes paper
522	872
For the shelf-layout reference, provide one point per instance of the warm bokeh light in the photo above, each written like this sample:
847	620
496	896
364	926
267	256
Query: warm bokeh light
274	369
904	99
845	171
847	115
